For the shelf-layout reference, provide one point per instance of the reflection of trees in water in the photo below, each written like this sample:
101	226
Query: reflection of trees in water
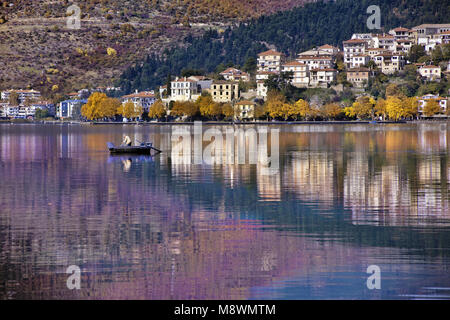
191	226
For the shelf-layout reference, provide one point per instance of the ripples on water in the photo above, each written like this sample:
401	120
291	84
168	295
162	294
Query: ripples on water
345	197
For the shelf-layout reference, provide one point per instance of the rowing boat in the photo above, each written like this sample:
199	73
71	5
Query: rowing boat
144	148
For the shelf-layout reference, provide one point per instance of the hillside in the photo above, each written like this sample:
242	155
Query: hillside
37	50
290	32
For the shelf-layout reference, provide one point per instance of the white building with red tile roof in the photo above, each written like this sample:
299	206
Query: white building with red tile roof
233	74
430	72
270	60
145	99
300	73
184	89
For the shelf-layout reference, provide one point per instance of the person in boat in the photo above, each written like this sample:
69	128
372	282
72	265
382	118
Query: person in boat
126	141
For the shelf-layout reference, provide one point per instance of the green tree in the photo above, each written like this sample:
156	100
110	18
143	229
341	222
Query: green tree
416	52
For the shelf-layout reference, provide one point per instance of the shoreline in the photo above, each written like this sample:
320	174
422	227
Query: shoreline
223	123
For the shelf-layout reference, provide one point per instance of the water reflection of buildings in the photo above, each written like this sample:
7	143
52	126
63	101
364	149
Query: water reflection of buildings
172	230
409	188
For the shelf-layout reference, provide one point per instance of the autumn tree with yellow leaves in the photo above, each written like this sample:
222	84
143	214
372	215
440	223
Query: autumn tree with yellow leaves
129	110
331	111
157	110
395	108
302	109
100	106
208	108
228	111
362	108
431	108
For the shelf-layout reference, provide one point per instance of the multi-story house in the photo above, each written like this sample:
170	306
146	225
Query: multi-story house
69	108
316	62
403	45
233	74
325	50
145	99
359	77
322	77
425	34
43	105
401	33
270	60
368	37
359	60
224	91
184	89
244	110
422	102
329	49
372	52
352	48
22	95
389	63
386	42
430	72
300	73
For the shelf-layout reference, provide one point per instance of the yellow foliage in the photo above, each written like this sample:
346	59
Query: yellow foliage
302	109
228	111
431	108
363	107
157	110
55	87
100	106
111	52
129	110
394	108
331	110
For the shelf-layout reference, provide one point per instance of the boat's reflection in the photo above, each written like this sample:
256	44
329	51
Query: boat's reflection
127	160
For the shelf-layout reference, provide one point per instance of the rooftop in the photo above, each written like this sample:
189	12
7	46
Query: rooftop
143	94
293	64
430	25
270	53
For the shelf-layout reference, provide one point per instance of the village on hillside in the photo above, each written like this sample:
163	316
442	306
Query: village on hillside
402	74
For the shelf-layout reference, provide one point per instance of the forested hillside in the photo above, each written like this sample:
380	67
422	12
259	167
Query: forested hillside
39	51
290	31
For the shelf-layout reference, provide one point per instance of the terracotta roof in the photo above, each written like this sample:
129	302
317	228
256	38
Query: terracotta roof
231	70
183	80
385	36
140	95
326	46
270	53
355	41
430	67
430	25
400	29
314	58
293	64
325	69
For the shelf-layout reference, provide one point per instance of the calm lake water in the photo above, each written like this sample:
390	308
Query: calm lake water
345	197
